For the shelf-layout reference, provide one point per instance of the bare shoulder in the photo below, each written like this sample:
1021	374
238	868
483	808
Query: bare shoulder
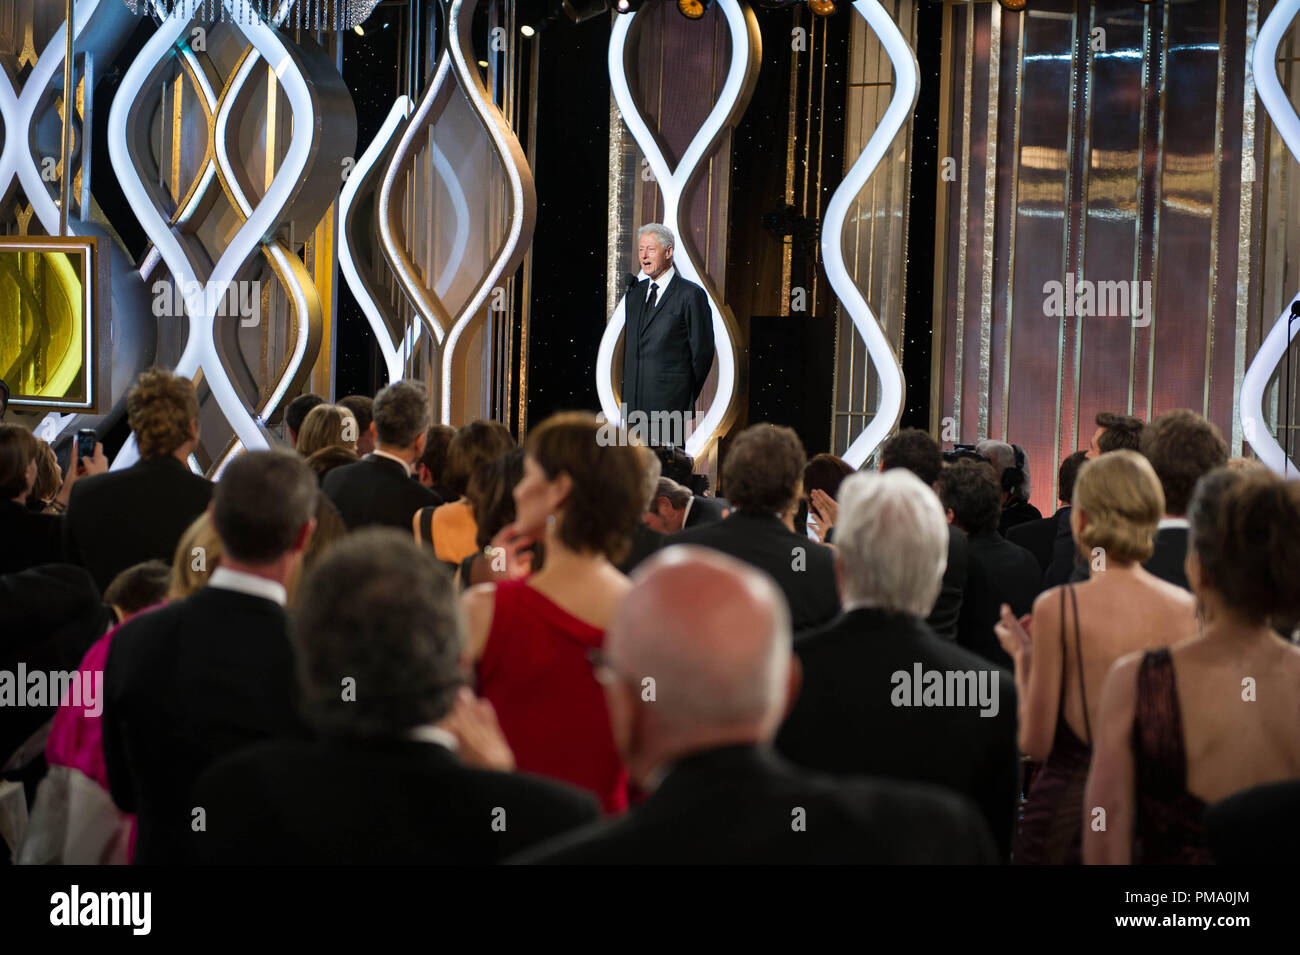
1121	678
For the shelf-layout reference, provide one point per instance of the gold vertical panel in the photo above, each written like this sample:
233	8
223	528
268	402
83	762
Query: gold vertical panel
1159	201
1245	236
964	220
1065	238
1011	245
1081	248
1214	221
1143	121
990	218
939	301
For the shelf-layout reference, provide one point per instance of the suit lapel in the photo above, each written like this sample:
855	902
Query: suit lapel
635	310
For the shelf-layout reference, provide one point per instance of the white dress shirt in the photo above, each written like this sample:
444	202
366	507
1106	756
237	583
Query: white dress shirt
661	283
1168	522
223	578
436	735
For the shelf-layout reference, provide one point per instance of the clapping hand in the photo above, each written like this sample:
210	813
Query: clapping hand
824	506
1015	636
509	556
474	724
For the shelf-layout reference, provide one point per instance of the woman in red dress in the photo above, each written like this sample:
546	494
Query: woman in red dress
532	639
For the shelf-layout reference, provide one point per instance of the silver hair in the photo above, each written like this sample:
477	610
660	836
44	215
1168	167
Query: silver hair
1003	456
660	232
677	495
892	540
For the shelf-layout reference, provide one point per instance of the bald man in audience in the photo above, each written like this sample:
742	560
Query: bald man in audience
698	675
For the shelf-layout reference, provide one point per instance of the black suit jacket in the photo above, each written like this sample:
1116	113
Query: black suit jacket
1038	537
667	352
185	685
705	510
123	518
28	538
49	617
998	572
645	541
845	722
947	606
1166	561
375	802
801	567
377	490
746	805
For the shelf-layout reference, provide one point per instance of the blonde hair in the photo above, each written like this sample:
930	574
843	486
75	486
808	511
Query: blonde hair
326	426
198	553
1120	498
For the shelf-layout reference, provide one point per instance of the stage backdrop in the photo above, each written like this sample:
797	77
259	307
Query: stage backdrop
1127	145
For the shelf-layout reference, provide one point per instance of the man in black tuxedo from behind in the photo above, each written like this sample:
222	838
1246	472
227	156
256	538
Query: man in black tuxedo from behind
668	333
123	518
997	570
413	770
1050	539
208	675
851	717
1182	447
763	477
715	635
380	489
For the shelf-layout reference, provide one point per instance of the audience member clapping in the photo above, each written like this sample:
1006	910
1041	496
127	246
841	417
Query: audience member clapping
1078	632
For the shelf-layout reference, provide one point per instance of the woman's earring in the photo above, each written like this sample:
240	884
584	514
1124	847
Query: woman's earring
550	522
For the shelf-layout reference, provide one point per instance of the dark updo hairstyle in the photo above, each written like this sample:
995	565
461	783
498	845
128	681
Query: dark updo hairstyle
608	495
1245	528
472	445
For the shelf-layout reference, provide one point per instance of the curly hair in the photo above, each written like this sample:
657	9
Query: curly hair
971	491
764	469
1121	432
1245	529
160	409
914	450
1182	447
1120	495
608	495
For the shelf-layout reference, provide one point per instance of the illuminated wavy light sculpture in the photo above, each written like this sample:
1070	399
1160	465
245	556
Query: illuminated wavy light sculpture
746	54
448	330
1275	343
128	120
907	80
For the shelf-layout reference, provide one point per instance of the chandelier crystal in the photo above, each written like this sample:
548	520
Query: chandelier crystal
334	15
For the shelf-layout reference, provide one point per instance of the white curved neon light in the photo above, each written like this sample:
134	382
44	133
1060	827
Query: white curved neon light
672	183
1278	106
907	80
200	348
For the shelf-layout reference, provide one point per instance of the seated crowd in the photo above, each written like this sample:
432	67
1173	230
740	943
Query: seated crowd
393	641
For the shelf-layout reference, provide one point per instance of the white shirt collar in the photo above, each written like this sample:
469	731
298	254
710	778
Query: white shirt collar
223	578
661	282
1172	522
686	514
436	735
406	465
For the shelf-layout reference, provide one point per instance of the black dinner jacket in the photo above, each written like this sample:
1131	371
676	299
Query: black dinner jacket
806	576
375	802
1166	561
706	510
947	606
667	351
845	722
747	805
998	572
28	538
1038	537
49	617
645	542
123	518
185	685
377	490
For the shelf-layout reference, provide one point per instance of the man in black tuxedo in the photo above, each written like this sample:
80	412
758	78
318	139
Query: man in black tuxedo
716	636
674	507
1182	447
379	489
1050	539
919	453
668	333
411	769
206	676
763	478
998	571
123	518
851	717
